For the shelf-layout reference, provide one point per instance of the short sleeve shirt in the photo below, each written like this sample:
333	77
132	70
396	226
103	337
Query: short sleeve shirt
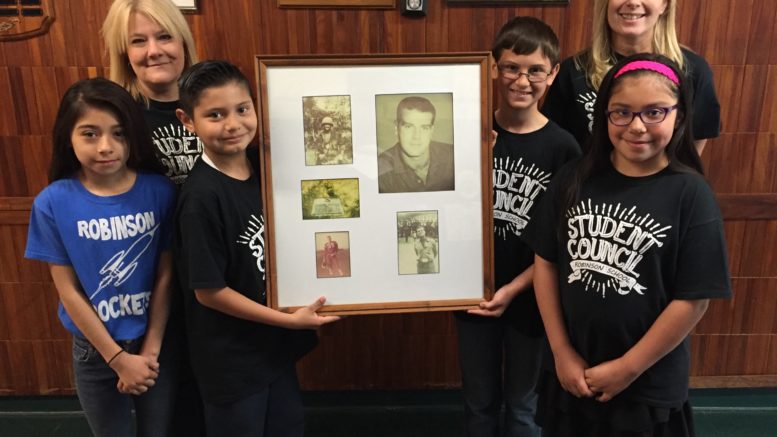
220	243
630	246
112	243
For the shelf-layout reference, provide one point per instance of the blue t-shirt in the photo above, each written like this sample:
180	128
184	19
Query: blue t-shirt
113	244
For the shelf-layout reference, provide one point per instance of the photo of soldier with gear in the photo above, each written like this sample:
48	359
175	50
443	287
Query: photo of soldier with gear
327	122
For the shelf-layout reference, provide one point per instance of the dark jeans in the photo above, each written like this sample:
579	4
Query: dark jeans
109	412
498	364
276	411
188	416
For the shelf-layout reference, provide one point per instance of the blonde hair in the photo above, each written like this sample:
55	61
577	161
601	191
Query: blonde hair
600	57
115	32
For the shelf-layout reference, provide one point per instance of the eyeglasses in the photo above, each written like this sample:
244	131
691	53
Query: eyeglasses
513	72
622	117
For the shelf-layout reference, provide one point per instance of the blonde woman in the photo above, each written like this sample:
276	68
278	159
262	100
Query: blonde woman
623	28
149	45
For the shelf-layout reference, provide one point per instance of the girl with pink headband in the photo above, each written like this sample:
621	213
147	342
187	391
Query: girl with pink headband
622	28
649	65
629	249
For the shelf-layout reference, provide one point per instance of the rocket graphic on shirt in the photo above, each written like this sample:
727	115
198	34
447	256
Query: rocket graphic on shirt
138	231
606	244
121	265
516	186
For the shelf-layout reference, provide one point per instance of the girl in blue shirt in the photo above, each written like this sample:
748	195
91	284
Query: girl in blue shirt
102	225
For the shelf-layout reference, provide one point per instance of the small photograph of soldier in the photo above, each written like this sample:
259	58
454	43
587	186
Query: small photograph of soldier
327	123
418	242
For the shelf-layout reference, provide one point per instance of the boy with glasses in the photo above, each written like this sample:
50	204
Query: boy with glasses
500	342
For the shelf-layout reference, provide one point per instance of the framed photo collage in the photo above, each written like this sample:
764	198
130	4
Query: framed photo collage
376	181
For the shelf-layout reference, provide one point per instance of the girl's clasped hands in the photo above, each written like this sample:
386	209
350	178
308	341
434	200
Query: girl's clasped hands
137	373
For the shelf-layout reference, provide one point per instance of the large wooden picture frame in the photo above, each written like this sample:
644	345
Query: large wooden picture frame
334	226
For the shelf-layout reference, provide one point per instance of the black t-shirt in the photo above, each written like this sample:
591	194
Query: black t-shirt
570	101
176	148
220	242
523	167
631	245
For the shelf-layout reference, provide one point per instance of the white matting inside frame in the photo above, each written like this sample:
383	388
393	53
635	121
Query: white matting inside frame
373	236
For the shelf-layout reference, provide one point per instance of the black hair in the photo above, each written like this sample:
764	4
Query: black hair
680	150
421	104
523	36
99	93
204	75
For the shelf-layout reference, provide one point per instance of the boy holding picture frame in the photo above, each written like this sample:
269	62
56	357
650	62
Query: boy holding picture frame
506	332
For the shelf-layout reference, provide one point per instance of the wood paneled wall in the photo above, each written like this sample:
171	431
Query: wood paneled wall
735	344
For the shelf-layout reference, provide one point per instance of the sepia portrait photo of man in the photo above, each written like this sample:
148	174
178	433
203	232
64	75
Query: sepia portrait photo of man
416	158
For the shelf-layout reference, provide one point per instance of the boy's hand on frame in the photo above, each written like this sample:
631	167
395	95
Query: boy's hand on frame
308	318
494	307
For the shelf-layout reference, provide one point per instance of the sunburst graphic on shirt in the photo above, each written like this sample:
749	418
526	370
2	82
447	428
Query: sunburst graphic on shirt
516	186
606	244
171	130
253	237
177	149
588	100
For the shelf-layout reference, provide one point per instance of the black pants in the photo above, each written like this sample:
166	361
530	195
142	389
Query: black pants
276	411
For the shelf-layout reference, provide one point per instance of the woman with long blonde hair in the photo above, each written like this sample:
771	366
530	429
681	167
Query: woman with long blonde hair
622	28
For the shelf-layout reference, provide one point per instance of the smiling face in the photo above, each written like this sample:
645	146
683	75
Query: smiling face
100	146
224	118
156	57
520	94
639	149
634	21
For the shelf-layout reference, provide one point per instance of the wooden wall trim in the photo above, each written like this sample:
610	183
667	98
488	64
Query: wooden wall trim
16	203
734	381
14	218
748	206
15	211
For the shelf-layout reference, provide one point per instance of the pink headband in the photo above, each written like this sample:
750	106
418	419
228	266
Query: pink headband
649	65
